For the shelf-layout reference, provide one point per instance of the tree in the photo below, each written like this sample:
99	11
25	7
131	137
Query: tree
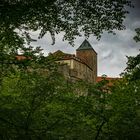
137	36
124	122
24	98
125	101
55	16
38	106
101	110
132	71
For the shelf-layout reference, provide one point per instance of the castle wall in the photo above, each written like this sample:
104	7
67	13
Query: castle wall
77	70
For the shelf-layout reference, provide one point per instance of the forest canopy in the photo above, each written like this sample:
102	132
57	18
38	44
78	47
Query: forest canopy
54	16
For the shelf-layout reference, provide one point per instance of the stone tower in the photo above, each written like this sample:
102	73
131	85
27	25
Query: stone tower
86	53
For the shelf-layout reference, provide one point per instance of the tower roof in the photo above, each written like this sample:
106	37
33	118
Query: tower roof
85	46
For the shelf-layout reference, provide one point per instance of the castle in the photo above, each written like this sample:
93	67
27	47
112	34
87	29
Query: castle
82	66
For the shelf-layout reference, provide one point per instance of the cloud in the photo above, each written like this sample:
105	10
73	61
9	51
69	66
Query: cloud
112	49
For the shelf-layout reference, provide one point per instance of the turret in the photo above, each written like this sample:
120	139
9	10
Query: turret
86	53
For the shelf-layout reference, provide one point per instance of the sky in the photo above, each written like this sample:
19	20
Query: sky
111	49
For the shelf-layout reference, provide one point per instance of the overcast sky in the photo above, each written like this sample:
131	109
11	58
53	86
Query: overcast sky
112	49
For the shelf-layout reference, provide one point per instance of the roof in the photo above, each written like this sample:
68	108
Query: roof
111	80
65	56
85	46
22	57
58	52
61	55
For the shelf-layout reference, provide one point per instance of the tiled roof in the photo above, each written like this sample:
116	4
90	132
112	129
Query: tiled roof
110	79
22	57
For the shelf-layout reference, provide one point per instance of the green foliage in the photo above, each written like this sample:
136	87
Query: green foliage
137	36
132	71
24	98
125	103
38	103
55	16
37	107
